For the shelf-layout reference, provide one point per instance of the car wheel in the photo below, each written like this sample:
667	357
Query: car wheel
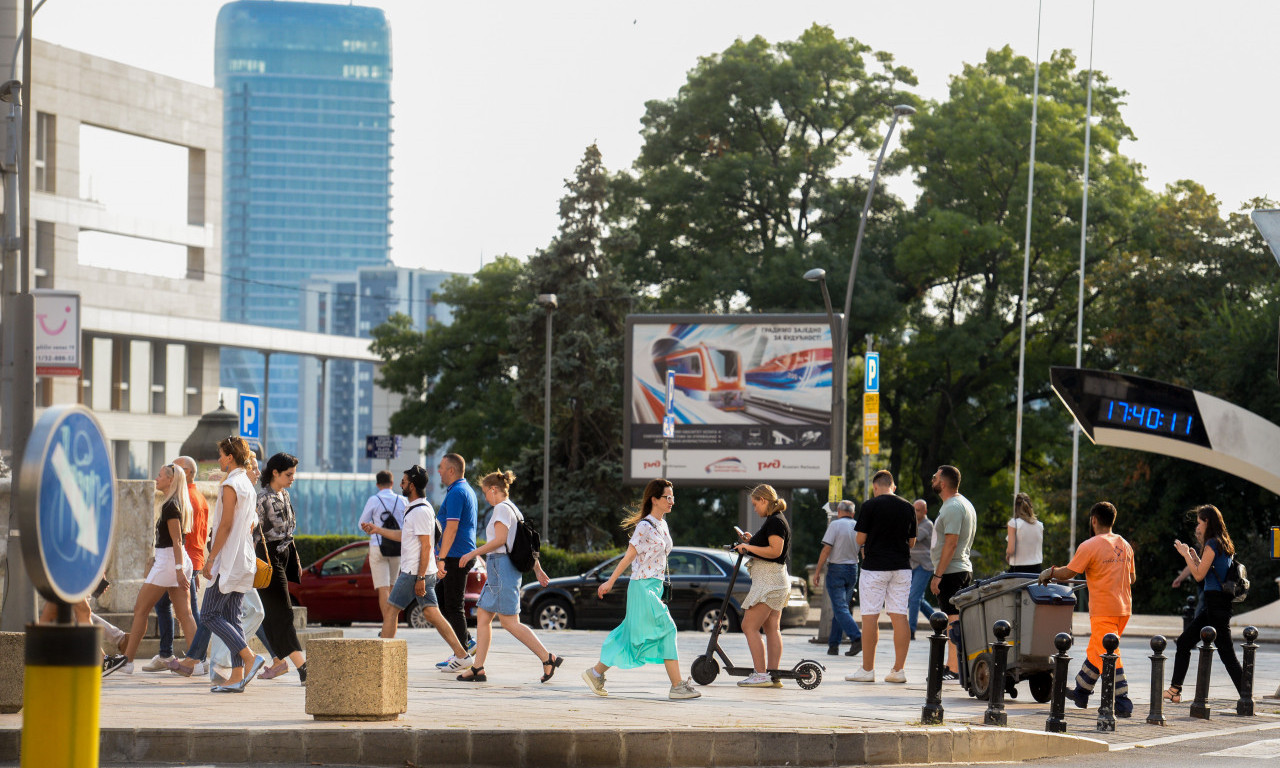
416	618
706	619
553	613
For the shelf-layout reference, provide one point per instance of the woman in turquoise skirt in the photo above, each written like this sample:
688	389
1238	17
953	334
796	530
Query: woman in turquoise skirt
647	634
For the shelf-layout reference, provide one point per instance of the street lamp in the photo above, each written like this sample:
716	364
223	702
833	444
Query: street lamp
548	302
819	276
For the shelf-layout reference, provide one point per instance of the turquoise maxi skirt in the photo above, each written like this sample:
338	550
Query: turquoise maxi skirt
647	634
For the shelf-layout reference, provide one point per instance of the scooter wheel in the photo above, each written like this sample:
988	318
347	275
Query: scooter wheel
704	670
809	675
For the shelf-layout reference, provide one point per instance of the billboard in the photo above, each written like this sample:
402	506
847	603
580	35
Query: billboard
752	399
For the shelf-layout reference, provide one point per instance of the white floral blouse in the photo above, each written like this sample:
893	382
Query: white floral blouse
652	540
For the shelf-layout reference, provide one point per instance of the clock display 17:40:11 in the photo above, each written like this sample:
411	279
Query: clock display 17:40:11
1147	417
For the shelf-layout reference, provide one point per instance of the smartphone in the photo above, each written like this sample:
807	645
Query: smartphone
741	533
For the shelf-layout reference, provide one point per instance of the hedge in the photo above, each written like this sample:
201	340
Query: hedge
556	562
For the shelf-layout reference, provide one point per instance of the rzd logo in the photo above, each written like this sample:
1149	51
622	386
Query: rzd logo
763	465
652	464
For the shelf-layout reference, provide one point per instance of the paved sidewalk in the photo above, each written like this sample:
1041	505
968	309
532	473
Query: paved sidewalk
514	720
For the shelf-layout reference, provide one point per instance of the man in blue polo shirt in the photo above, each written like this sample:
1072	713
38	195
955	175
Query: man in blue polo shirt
458	517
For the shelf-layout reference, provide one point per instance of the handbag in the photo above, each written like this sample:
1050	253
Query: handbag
262	576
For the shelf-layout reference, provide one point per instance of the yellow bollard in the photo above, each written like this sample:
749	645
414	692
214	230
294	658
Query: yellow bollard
61	694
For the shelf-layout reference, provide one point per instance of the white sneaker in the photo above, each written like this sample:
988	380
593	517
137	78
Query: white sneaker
158	663
595	681
683	690
756	680
201	668
457	665
896	676
862	676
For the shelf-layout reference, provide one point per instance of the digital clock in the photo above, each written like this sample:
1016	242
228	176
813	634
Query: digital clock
1149	417
1108	400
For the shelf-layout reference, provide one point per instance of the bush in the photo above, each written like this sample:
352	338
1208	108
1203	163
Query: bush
558	562
311	548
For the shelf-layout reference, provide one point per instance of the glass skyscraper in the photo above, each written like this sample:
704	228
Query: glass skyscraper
306	174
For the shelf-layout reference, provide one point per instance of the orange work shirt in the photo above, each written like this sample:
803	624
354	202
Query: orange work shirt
1106	560
194	542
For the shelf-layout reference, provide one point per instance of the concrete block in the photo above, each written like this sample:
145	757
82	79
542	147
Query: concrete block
207	744
274	746
1062	745
381	666
851	747
603	749
816	748
990	745
941	745
387	746
692	748
332	745
960	745
452	747
12	670
162	745
497	748
883	748
914	747
776	747
11	745
646	749
734	748
115	745
544	747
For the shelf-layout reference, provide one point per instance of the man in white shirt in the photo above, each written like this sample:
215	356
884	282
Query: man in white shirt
840	556
417	578
386	508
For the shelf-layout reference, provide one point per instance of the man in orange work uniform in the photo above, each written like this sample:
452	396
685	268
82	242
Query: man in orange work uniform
1106	560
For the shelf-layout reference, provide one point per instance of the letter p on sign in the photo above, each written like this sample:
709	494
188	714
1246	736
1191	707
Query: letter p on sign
872	378
249	425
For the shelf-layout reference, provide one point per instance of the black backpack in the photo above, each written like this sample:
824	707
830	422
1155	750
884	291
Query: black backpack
388	547
526	545
1236	584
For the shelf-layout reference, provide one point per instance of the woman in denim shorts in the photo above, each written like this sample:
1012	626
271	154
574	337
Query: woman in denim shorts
501	595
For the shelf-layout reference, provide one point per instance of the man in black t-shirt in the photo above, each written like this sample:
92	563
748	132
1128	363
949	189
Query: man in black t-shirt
886	532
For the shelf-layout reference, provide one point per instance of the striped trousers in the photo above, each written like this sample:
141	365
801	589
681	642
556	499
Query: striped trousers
220	612
1091	670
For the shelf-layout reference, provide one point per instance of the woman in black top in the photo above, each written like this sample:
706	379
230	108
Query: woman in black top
770	586
276	524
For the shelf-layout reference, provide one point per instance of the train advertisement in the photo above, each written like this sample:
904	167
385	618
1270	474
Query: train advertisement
752	398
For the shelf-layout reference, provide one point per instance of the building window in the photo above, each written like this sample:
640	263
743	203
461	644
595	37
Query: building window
44	254
44	151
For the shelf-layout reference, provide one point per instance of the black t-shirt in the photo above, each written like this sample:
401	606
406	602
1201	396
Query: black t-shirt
168	512
774	525
889	522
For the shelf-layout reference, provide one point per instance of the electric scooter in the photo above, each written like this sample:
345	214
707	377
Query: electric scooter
705	669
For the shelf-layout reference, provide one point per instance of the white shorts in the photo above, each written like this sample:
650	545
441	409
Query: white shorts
384	569
163	574
886	591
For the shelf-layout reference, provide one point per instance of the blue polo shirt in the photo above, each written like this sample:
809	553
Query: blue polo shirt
460	504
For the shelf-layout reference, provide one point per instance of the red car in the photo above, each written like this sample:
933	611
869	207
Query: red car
338	589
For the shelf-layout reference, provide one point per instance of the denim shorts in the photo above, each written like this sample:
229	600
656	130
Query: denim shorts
501	593
402	595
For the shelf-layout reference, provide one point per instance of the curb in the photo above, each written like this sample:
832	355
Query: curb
580	748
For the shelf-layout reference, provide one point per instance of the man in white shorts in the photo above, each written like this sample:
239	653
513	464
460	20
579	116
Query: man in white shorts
886	529
384	509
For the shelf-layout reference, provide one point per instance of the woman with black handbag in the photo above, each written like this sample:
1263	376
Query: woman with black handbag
276	523
647	634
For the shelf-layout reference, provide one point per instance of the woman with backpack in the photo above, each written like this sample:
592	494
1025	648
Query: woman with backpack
501	595
1209	567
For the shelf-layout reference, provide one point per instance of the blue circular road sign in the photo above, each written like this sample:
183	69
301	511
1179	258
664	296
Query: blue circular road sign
67	503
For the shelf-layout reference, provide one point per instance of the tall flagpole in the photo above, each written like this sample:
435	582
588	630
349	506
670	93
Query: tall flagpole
1084	224
1026	264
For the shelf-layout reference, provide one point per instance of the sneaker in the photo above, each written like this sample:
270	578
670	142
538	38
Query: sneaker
756	680
457	665
443	666
112	664
683	690
595	681
1079	697
862	676
775	682
855	648
896	676
302	674
471	646
833	650
949	675
158	663
199	670
1124	706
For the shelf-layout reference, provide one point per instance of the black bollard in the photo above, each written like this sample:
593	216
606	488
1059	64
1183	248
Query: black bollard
1244	707
931	713
1188	612
1200	707
1057	722
1156	715
1107	707
995	714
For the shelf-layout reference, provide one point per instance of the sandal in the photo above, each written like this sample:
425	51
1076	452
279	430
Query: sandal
1173	694
477	675
552	661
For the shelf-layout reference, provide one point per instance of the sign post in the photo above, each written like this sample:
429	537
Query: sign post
668	418
870	414
386	447
66	498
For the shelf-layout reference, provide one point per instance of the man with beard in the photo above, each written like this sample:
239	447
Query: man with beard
953	538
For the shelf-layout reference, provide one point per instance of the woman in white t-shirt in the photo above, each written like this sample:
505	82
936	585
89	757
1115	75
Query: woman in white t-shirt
1025	548
501	595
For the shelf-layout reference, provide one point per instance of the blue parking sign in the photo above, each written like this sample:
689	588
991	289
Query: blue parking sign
250	425
872	378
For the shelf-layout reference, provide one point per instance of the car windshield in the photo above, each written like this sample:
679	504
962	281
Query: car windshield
351	561
726	561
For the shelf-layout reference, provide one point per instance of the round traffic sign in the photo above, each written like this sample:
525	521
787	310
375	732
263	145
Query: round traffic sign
66	494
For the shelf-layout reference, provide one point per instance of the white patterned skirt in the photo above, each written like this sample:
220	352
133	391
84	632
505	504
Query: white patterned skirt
770	584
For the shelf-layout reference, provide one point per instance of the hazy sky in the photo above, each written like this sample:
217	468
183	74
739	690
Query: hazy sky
495	101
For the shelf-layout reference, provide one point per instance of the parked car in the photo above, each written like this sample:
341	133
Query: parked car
338	589
699	578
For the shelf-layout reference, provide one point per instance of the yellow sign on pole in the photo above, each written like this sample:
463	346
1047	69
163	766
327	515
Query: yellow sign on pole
870	423
871	402
835	489
1275	543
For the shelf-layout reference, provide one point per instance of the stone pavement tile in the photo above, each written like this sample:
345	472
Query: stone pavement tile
883	748
454	746
272	745
11	743
333	745
1059	745
941	744
960	745
601	749
990	745
734	747
777	747
206	742
850	747
692	748
387	746
161	745
116	744
914	747
499	748
646	749
547	747
817	748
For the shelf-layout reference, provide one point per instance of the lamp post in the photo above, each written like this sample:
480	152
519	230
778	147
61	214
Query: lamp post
902	110
548	302
838	425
